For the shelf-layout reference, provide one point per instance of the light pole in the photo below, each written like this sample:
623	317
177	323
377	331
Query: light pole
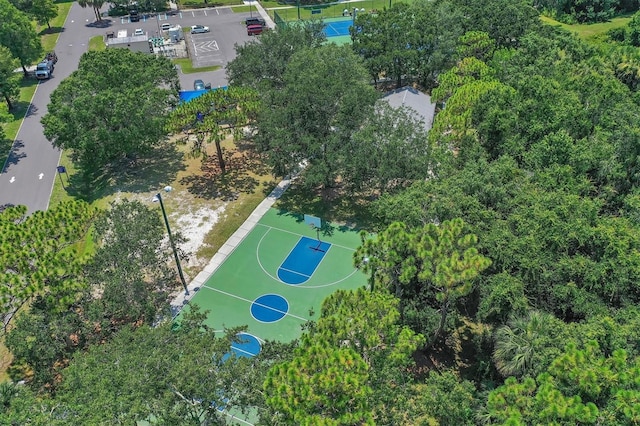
157	21
173	245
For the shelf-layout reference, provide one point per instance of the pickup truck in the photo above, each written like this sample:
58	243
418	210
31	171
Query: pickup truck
255	21
44	69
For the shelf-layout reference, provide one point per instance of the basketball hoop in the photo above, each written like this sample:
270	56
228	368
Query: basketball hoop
314	222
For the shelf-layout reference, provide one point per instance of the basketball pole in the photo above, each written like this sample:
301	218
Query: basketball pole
318	238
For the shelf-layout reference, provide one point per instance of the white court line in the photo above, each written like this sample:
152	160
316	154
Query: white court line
294	272
300	235
250	301
237	418
233	348
301	286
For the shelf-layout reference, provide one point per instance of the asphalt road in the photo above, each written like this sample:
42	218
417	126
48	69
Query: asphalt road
29	173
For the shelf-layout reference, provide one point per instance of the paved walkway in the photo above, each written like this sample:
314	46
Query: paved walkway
263	13
229	246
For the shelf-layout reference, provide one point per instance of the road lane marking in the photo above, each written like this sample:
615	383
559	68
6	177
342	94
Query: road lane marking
13	179
40	176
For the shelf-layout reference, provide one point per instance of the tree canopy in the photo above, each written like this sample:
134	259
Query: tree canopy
310	120
501	254
262	63
44	11
101	116
214	115
9	80
125	283
39	257
18	35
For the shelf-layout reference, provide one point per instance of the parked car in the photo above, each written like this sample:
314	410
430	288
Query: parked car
44	69
166	26
134	16
198	85
254	29
255	21
138	32
198	29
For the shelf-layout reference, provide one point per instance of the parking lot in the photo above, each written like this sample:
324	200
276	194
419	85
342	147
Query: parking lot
173	16
206	49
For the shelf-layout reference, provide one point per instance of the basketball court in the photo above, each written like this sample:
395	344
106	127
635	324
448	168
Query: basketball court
276	278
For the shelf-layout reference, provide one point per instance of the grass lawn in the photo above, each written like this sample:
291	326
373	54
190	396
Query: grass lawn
590	31
49	37
186	66
27	89
243	8
97	44
5	361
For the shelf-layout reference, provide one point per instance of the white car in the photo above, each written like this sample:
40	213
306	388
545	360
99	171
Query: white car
138	32
166	26
198	29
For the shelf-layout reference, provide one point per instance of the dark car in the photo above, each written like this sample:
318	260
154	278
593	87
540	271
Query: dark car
255	21
198	85
134	16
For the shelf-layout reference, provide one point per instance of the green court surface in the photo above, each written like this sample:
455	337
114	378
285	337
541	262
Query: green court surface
251	271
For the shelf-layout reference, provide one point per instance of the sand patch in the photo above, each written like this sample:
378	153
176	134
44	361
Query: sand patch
194	225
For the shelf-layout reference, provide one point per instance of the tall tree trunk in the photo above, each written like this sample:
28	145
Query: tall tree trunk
220	158
9	104
24	70
444	310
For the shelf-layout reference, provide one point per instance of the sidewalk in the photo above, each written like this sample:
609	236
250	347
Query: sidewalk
263	13
229	246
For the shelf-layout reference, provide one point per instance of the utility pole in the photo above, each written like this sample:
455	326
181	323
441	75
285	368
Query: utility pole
173	245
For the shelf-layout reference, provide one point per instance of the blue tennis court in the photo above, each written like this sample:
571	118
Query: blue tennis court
338	28
302	261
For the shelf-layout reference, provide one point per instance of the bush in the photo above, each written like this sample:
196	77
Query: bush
118	11
616	34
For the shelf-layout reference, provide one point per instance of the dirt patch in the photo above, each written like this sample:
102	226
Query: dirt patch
194	226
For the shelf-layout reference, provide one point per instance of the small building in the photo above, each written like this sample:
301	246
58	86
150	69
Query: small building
175	33
139	43
416	100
